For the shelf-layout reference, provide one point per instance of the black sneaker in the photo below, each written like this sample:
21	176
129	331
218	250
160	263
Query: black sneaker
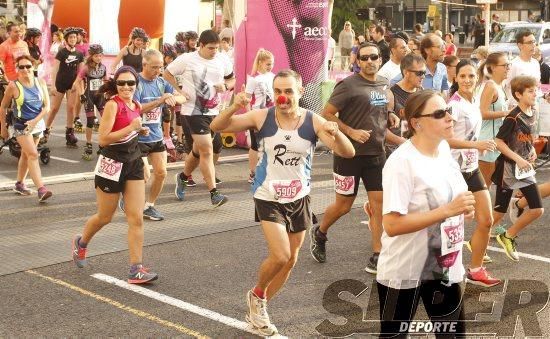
373	263
191	182
317	244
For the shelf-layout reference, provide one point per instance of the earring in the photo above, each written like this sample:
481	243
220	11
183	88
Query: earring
417	125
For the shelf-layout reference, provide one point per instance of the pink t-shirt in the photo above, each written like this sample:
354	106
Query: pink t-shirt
450	50
9	51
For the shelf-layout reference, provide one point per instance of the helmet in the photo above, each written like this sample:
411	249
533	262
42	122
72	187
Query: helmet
32	33
181	36
191	35
169	50
81	31
70	30
179	46
94	49
138	32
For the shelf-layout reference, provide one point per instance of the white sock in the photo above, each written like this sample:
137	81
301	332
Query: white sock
148	204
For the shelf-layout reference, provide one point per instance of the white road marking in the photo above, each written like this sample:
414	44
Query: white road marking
64	159
241	325
524	255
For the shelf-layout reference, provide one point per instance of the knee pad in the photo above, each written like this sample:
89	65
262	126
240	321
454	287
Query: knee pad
90	122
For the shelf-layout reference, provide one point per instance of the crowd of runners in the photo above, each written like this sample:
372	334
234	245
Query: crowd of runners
426	136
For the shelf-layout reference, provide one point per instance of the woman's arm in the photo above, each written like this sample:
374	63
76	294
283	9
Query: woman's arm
119	56
488	96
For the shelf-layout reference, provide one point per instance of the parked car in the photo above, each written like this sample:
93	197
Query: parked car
505	40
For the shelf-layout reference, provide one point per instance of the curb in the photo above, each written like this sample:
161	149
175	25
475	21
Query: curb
66	178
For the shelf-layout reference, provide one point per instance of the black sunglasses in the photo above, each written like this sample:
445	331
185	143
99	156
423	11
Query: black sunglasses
24	66
438	114
418	73
130	83
372	57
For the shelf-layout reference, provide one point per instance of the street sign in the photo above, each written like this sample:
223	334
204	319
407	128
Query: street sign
481	2
432	11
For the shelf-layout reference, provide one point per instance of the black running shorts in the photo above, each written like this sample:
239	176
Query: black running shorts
130	171
348	173
475	181
296	216
151	147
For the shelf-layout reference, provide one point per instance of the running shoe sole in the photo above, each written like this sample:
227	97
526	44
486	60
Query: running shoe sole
223	201
480	283
505	250
370	270
267	331
152	218
140	281
27	193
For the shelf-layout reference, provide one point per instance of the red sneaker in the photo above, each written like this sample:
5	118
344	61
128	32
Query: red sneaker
482	278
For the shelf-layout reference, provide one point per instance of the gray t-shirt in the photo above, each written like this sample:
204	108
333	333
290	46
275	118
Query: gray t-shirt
362	104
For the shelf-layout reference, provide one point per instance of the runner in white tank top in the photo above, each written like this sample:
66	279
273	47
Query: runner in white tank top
287	136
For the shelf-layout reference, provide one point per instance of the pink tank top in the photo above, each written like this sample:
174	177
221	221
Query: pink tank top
124	114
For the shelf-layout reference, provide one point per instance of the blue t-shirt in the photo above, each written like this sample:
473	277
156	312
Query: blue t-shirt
437	81
147	91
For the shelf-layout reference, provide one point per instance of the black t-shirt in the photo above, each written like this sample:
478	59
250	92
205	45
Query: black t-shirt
384	50
68	65
363	104
544	73
400	96
517	132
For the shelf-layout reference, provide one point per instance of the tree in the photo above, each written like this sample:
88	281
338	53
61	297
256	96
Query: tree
344	10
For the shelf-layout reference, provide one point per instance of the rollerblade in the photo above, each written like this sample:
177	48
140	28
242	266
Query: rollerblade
78	125
45	137
71	138
88	151
96	125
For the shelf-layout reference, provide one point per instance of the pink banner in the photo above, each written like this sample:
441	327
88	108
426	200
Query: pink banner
39	14
296	32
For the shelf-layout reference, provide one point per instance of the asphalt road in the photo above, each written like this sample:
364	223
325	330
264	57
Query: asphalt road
207	261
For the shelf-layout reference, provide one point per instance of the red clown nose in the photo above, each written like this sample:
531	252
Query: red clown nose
281	100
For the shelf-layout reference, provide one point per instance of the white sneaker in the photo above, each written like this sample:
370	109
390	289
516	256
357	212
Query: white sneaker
513	211
257	315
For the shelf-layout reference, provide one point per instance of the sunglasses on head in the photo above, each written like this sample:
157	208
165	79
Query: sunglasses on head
438	114
366	57
130	83
24	66
418	73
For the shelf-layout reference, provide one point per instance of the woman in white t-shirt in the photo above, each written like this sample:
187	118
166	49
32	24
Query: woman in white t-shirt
425	202
259	89
466	150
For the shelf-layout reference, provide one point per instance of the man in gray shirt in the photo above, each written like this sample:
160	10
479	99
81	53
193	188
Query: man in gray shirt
361	101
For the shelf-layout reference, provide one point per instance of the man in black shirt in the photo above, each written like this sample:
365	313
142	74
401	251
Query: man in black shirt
378	37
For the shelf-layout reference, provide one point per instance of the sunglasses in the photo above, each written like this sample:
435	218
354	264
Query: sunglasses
372	57
24	66
130	83
418	73
438	114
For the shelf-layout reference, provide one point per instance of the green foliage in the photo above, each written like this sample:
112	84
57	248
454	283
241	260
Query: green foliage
344	10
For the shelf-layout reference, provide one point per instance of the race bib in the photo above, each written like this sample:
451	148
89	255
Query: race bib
152	116
344	185
108	168
285	190
452	234
95	84
522	174
469	160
